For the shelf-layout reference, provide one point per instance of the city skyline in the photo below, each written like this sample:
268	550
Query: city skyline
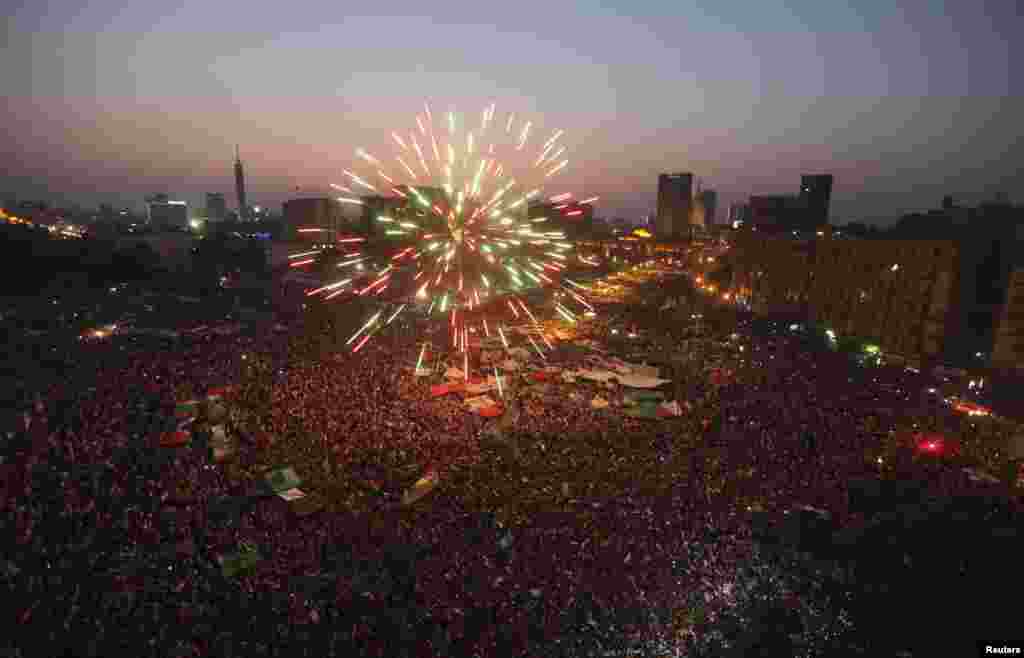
902	105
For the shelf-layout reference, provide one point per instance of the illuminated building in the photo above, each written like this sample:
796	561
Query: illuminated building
900	293
675	202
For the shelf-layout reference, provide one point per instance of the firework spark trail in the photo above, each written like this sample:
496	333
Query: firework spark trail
480	211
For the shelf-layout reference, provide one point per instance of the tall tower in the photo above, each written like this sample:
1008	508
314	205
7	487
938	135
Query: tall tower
243	208
675	198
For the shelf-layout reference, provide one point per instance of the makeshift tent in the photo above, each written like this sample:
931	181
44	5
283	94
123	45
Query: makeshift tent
646	411
639	381
423	486
476	403
669	409
596	375
216	412
188	408
630	398
220	444
291	494
478	386
492	411
283	479
643	370
219	392
175	439
437	390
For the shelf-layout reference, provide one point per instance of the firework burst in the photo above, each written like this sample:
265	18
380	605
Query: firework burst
451	229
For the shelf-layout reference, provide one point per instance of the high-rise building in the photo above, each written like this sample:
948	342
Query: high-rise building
243	208
216	206
313	213
709	199
675	200
738	212
815	195
165	213
775	212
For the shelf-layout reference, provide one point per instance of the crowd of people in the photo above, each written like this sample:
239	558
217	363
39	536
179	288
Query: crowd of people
574	530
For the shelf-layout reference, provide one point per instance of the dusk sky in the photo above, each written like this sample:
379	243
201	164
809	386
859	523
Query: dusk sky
903	102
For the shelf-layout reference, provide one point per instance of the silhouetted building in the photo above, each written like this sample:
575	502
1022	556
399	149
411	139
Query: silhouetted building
243	208
675	202
165	213
815	195
1008	341
302	216
774	213
216	207
709	200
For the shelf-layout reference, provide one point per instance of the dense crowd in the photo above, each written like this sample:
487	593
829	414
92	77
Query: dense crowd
573	530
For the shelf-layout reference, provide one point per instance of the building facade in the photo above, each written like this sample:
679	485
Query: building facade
709	201
775	213
675	203
301	215
166	214
1008	346
901	294
216	207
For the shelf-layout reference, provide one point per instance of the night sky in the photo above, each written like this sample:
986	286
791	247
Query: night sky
110	101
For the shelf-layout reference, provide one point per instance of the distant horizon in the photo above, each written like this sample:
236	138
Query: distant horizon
138	206
902	102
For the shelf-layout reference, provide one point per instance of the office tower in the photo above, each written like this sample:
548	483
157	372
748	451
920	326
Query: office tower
243	208
165	213
709	199
314	213
216	207
815	194
675	200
